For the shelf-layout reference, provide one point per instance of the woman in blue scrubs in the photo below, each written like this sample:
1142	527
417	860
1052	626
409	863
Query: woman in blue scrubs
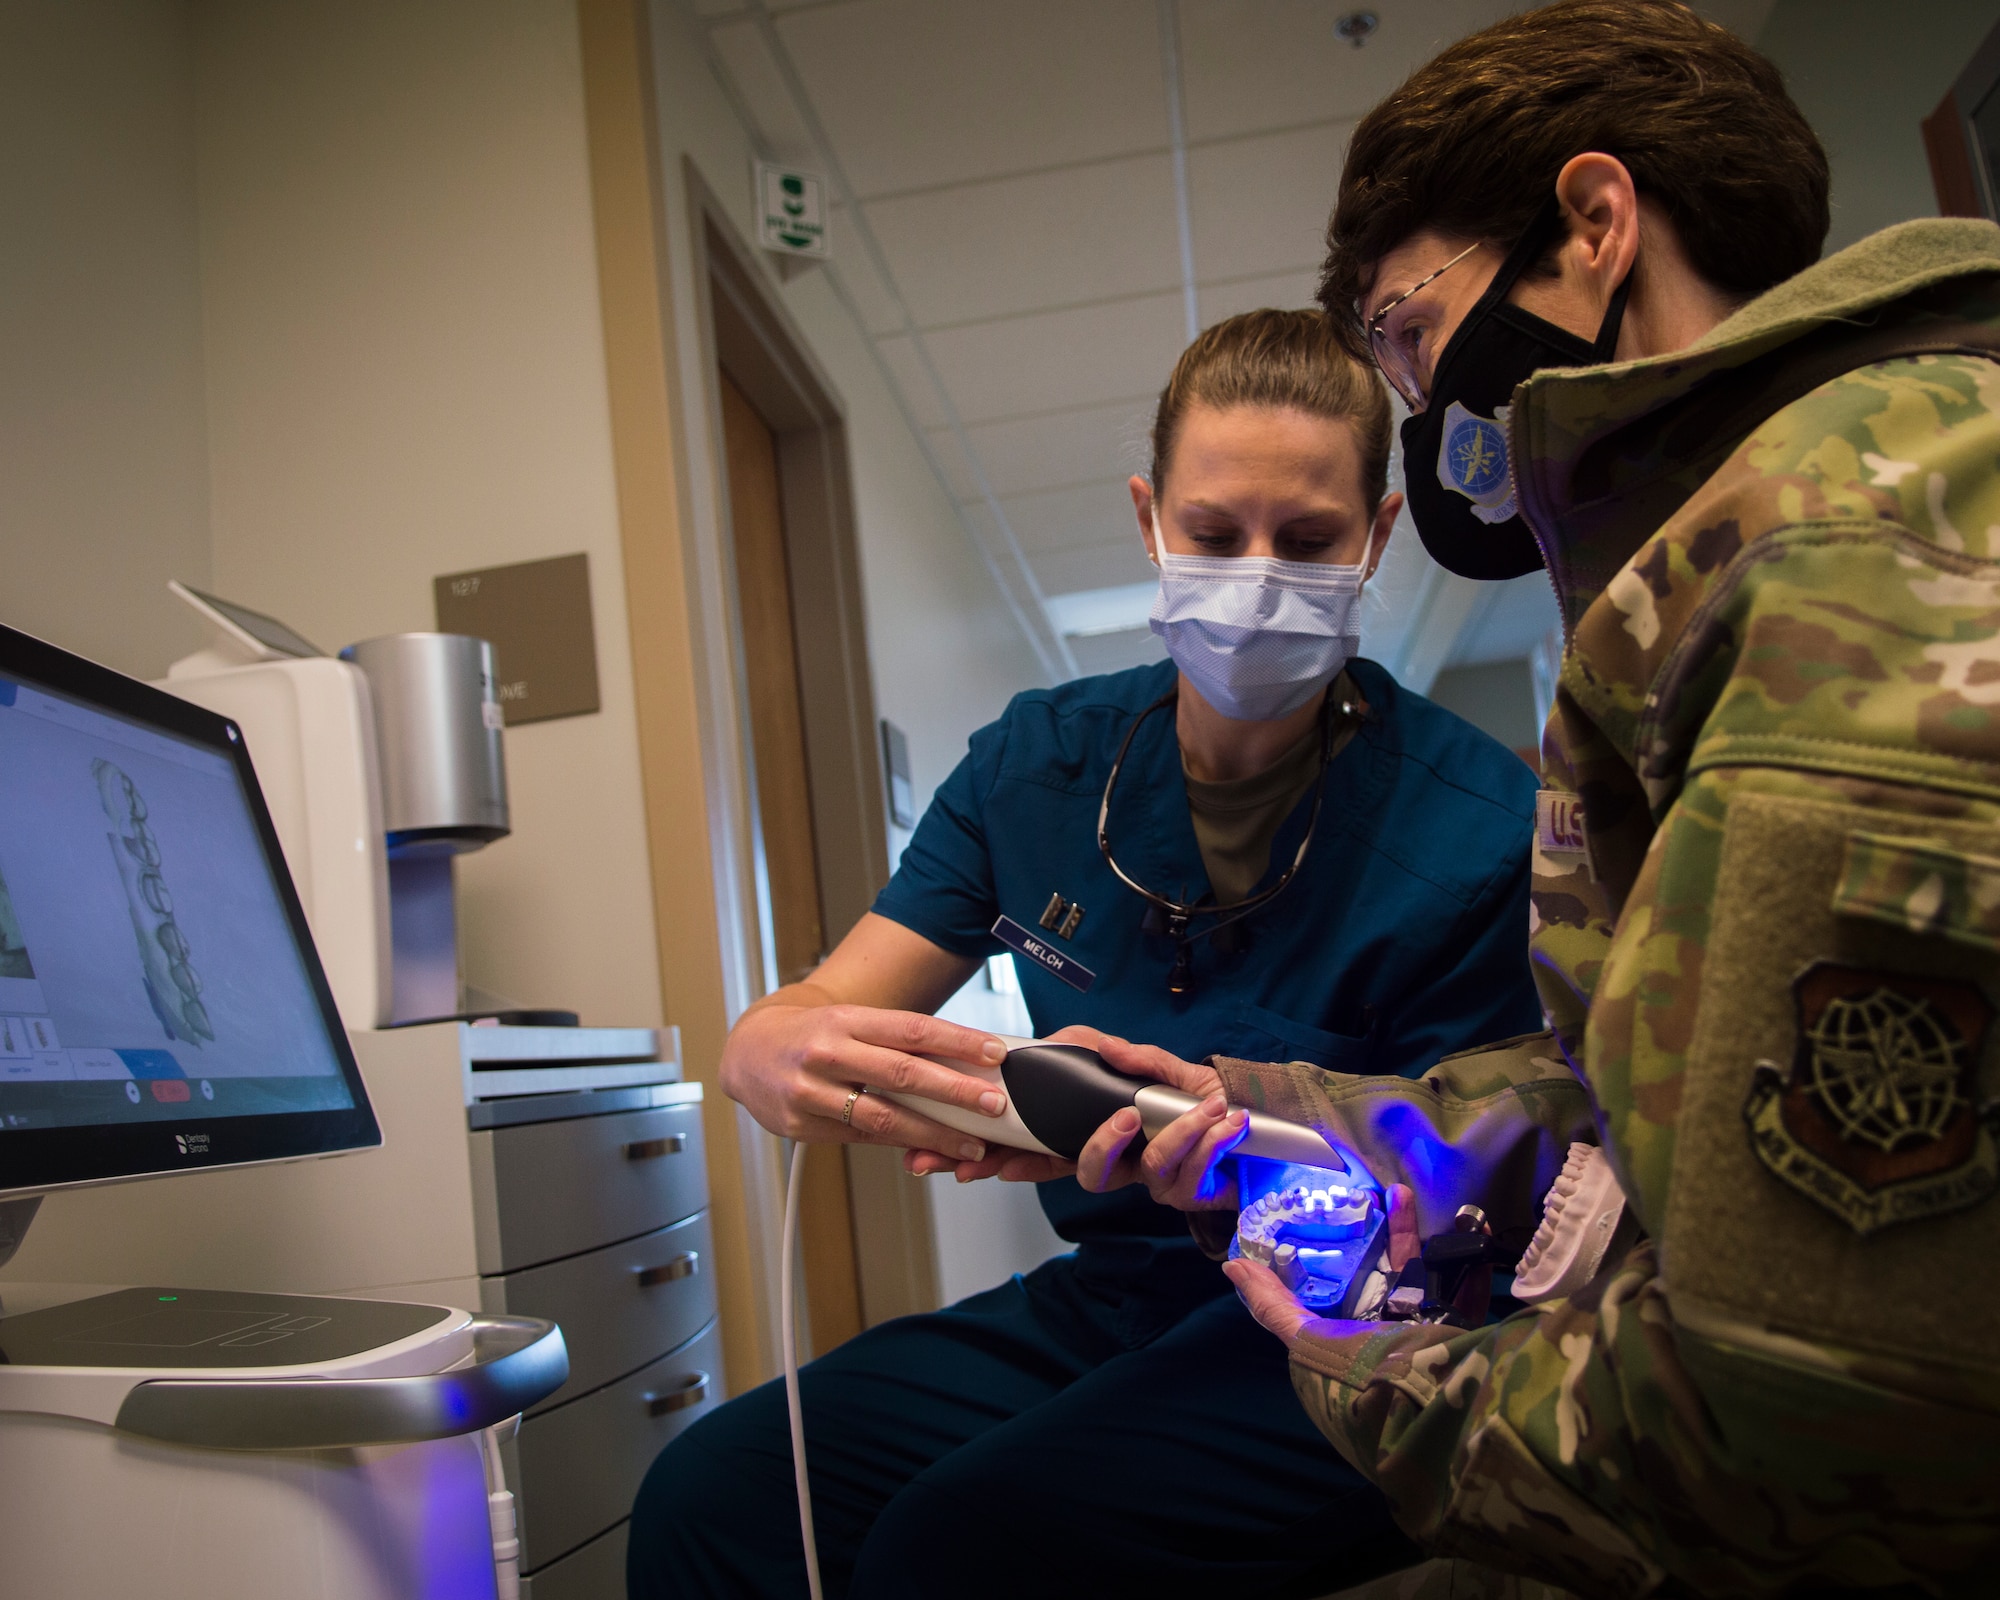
1299	860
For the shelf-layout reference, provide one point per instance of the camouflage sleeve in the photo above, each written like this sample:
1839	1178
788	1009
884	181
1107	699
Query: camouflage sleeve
1495	1442
1487	1127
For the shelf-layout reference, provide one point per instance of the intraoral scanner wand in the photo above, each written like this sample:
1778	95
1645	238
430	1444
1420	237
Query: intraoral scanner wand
1058	1095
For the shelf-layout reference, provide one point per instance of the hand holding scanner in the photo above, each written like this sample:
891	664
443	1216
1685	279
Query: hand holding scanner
1058	1095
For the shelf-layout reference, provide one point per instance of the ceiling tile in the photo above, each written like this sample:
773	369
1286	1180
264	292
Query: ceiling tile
914	93
909	373
1065	519
950	456
1091	566
1253	65
1022	244
1287	291
1058	360
988	535
878	308
755	76
1065	447
1260	205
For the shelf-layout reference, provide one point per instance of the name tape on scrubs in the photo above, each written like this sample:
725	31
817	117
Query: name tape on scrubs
1022	942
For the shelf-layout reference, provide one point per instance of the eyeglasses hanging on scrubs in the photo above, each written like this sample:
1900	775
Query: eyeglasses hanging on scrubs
1174	917
1455	448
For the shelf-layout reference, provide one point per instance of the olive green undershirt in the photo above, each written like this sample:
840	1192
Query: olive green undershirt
1236	819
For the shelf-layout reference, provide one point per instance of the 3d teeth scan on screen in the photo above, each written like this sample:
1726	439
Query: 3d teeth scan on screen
171	986
148	971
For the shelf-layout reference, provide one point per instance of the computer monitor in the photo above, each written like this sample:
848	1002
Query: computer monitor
162	1008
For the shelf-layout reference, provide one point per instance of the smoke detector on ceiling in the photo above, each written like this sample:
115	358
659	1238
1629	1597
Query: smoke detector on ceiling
1356	26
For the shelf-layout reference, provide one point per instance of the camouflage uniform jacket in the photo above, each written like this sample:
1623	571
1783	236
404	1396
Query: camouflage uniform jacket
1774	963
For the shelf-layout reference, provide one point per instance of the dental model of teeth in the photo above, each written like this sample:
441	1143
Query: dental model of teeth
1314	1239
1580	1220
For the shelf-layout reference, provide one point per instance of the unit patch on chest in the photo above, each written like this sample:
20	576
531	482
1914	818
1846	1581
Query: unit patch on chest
1878	1117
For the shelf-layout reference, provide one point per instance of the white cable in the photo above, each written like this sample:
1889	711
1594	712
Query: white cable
789	1338
500	1514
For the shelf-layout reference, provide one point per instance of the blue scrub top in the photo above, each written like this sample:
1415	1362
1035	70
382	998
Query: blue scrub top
1403	938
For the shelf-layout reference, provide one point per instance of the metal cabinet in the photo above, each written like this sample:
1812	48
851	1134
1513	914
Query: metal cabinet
622	1306
592	1211
595	1571
569	1464
556	1188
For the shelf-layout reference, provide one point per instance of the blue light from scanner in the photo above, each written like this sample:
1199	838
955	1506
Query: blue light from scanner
1432	1166
1256	1176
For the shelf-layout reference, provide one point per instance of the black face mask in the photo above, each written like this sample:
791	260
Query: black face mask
1455	466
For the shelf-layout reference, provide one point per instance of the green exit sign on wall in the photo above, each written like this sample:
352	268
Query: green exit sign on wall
791	211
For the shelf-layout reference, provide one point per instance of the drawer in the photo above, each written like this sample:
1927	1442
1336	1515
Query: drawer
596	1572
577	1468
619	1307
550	1189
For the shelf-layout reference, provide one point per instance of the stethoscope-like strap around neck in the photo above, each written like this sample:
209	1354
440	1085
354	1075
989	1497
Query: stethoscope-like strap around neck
1180	914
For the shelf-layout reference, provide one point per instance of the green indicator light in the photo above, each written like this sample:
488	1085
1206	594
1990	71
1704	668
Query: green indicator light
170	1297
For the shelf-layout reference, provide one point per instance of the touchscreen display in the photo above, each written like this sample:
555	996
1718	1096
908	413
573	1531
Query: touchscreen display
148	969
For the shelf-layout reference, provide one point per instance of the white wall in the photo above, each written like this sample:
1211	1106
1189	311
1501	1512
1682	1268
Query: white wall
103	469
406	378
1866	75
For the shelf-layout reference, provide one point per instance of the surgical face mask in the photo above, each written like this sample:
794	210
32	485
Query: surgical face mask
1259	637
1455	451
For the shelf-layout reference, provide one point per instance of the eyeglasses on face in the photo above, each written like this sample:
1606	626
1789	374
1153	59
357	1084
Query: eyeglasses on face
1400	347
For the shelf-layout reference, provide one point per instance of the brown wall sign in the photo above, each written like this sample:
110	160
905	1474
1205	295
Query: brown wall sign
536	615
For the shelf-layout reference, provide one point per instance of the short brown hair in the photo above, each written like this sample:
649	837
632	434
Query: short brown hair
1278	358
1471	144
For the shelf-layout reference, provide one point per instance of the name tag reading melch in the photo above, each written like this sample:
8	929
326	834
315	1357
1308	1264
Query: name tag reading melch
1022	942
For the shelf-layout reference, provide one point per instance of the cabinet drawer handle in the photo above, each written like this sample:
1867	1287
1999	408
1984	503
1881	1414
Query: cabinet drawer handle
692	1392
684	1265
646	1149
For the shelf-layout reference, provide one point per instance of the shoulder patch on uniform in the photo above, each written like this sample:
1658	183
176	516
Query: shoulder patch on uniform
1877	1119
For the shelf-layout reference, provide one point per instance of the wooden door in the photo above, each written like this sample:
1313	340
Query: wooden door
785	825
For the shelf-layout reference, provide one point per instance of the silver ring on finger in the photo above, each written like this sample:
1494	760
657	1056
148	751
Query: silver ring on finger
847	1110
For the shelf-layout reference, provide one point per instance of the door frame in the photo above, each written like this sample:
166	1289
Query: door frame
742	328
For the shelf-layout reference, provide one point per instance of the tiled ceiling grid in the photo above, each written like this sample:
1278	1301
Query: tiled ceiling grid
1039	201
